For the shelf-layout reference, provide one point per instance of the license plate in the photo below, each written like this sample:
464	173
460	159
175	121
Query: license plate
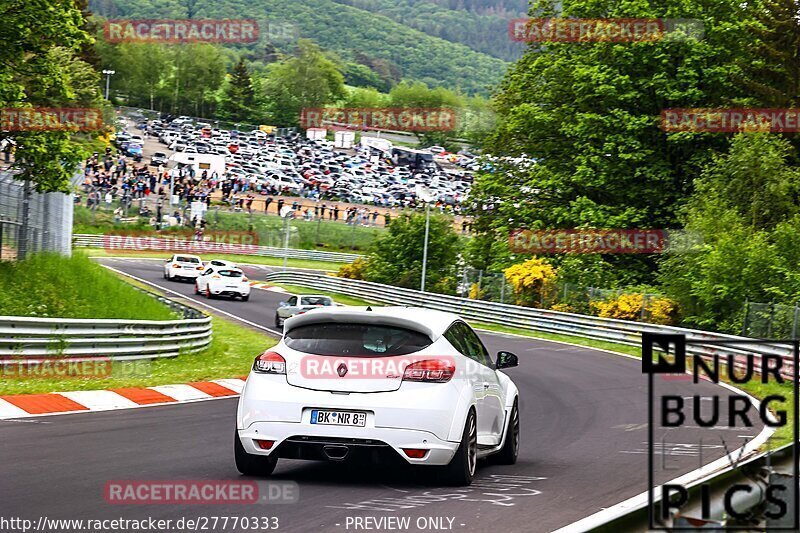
338	418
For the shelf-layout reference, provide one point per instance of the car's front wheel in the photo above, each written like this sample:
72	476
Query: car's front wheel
245	298
251	465
278	322
461	470
510	450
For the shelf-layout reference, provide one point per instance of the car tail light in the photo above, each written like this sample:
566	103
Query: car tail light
176	265
215	277
265	444
415	453
270	363
430	371
200	268
245	280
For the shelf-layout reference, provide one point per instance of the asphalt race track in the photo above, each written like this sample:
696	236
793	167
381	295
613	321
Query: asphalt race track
584	444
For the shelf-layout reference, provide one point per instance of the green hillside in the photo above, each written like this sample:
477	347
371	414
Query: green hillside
354	34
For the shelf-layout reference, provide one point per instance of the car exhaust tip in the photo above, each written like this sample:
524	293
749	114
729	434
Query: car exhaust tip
335	452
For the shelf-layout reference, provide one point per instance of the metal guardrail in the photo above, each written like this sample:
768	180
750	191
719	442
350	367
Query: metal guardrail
30	337
167	245
618	331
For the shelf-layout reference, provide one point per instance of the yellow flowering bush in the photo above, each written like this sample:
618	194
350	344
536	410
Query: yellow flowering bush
354	270
564	308
476	293
660	310
529	279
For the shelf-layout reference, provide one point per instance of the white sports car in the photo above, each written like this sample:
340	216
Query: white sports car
222	281
183	266
394	383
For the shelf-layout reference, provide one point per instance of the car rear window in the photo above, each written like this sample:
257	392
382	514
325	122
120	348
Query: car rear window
230	273
355	340
184	259
316	300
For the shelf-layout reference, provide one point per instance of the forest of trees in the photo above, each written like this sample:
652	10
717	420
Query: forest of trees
588	114
391	50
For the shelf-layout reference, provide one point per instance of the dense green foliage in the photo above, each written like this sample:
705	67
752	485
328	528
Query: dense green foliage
40	67
48	286
354	34
586	116
396	257
481	31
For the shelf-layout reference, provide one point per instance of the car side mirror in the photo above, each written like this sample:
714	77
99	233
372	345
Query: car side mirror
506	360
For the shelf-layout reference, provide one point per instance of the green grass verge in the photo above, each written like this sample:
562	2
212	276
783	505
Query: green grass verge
53	286
253	259
270	229
230	355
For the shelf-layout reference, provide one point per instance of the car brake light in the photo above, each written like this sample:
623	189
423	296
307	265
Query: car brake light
176	265
245	280
270	363
430	371
265	444
415	453
200	268
215	277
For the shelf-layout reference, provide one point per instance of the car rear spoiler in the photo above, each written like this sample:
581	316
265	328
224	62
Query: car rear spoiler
356	316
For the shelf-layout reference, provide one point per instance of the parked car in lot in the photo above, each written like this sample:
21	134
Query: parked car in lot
394	384
183	266
158	158
299	304
223	280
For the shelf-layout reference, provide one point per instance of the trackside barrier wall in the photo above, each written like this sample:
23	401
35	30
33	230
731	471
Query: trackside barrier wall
606	329
97	241
26	337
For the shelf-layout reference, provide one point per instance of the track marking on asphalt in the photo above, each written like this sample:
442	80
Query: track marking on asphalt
496	489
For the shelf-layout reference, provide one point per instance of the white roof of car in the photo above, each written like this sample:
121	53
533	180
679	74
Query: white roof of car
428	321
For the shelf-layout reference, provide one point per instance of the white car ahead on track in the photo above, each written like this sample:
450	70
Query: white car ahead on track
223	280
299	304
401	384
183	266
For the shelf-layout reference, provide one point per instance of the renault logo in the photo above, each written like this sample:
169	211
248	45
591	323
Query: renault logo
341	370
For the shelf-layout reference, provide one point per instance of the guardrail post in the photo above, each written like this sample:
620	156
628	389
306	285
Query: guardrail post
771	317
746	319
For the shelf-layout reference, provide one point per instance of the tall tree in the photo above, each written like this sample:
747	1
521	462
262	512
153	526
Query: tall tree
238	101
309	79
40	42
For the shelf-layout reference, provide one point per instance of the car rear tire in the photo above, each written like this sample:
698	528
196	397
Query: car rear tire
461	470
196	288
510	450
251	465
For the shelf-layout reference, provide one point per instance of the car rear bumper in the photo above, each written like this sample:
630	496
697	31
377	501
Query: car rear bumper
417	415
242	289
338	443
184	273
